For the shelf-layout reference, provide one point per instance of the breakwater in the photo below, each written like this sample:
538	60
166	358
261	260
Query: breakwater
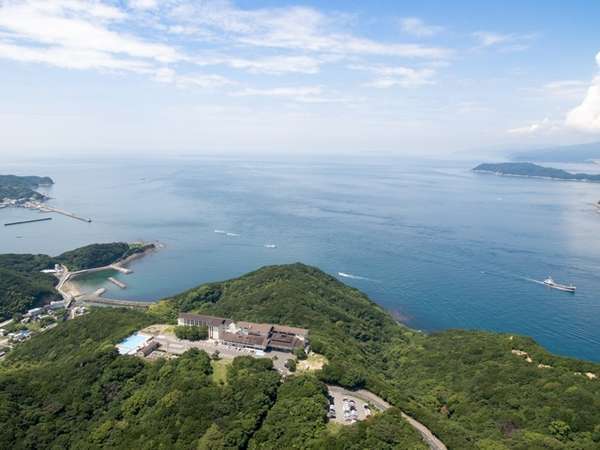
117	283
21	222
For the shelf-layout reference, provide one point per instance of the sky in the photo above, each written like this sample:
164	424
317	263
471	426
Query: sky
180	77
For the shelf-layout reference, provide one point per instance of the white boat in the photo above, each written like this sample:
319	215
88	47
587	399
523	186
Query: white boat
561	287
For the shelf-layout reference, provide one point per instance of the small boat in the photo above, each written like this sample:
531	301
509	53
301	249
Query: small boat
561	287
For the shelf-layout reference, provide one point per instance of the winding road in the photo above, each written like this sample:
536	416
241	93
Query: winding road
428	437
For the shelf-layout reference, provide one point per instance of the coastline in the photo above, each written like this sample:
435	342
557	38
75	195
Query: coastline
70	288
502	174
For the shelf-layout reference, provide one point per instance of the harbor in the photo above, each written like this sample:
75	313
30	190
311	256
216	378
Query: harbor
43	208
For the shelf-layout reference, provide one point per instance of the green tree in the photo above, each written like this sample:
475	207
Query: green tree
560	429
191	333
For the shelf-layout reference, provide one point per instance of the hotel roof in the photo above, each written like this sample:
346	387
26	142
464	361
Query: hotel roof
209	320
290	330
246	339
262	328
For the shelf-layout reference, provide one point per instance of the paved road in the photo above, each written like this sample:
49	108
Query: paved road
433	442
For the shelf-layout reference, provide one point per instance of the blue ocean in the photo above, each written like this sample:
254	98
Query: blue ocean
438	245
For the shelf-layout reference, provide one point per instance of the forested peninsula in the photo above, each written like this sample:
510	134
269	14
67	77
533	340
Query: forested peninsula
69	387
16	188
533	170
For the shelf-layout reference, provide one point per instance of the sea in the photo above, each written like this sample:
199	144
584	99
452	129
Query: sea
431	241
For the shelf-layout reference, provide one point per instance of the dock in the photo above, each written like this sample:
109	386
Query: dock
117	283
27	221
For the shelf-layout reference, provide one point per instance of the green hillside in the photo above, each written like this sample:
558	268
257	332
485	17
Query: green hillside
16	188
468	387
69	389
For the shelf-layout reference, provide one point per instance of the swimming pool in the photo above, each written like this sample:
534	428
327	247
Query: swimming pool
130	345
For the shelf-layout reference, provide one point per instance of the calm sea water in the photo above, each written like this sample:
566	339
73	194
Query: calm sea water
443	247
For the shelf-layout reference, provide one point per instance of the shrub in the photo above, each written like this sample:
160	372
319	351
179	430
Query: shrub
290	364
191	333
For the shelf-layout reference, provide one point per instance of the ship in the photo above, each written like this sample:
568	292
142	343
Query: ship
561	287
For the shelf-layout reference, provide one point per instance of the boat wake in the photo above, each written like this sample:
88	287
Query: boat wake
226	233
514	276
355	277
532	280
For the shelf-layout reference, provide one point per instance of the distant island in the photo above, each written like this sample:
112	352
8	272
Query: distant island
527	169
16	189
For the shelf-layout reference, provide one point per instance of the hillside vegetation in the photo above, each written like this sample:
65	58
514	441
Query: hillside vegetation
17	188
68	388
467	386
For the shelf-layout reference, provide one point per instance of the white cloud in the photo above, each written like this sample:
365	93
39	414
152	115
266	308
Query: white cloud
72	58
294	28
143	5
63	26
503	42
205	81
567	89
390	76
416	27
165	75
75	34
586	116
274	65
300	94
543	126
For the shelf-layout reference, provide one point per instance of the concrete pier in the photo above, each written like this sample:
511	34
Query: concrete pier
46	208
121	269
117	283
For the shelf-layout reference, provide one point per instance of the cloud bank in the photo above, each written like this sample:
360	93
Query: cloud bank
586	116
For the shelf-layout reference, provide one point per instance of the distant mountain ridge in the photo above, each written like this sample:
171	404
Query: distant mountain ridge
533	170
567	153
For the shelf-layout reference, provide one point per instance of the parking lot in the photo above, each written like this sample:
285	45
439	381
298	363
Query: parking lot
348	408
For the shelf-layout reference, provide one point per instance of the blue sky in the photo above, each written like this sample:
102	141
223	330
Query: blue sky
185	76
